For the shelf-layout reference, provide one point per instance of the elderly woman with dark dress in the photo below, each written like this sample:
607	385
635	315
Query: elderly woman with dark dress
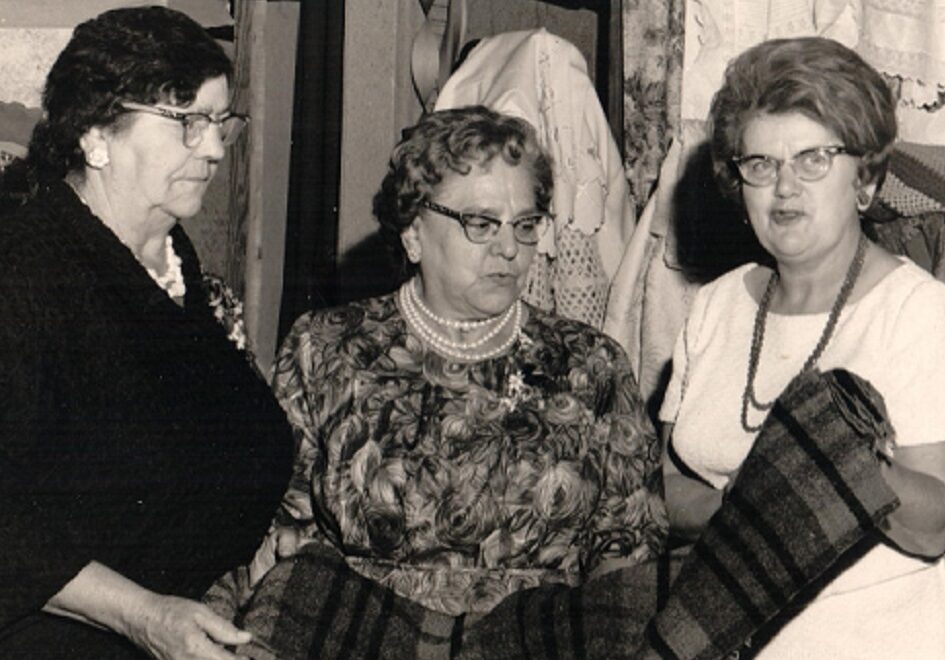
140	454
454	443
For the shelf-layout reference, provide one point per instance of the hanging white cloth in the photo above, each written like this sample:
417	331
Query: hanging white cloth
543	79
650	296
903	39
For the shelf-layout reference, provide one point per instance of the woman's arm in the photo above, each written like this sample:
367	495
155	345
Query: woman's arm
164	626
297	370
690	503
628	521
917	476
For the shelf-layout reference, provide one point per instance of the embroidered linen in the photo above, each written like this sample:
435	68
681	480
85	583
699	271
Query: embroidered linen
902	39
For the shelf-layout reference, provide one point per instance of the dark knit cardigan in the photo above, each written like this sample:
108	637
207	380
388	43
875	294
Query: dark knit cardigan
132	431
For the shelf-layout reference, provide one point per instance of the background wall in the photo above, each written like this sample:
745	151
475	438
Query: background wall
378	101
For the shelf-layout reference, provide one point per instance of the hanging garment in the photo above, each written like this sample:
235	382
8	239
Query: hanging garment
543	79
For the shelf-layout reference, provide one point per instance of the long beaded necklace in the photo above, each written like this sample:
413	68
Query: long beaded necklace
450	348
758	333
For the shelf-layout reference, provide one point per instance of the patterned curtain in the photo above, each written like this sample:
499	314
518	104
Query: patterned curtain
653	37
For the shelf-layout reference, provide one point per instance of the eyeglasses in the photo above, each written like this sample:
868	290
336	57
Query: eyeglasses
809	165
195	124
480	228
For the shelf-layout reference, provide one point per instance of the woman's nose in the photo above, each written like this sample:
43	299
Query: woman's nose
211	144
786	183
504	243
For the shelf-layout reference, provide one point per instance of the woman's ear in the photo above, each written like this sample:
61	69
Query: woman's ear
410	238
864	196
95	146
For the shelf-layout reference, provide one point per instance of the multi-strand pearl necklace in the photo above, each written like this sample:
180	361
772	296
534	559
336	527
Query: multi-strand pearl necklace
414	308
452	323
498	323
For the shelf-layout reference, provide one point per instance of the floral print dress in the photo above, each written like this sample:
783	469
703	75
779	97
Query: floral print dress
457	484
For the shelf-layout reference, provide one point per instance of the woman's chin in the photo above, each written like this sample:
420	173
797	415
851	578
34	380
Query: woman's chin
183	209
788	248
494	304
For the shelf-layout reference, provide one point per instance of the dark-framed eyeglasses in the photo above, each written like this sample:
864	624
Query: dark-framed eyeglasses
809	165
480	228
195	124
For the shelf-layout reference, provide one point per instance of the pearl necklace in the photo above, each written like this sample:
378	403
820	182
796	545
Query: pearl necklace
417	303
172	281
452	323
758	333
448	347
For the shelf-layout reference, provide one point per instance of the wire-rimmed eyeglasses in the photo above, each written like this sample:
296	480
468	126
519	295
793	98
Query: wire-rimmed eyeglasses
480	228
809	165
195	124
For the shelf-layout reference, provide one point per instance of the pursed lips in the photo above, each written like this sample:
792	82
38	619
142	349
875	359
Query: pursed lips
202	175
503	276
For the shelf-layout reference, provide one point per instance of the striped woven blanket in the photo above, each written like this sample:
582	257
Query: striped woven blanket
809	491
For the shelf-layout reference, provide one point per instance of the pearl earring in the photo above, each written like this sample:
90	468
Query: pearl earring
97	159
863	199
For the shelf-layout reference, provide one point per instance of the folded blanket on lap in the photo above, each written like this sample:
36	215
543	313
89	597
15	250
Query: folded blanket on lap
808	491
314	606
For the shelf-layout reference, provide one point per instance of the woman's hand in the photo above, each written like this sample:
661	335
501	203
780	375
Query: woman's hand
167	627
917	476
690	503
172	628
280	543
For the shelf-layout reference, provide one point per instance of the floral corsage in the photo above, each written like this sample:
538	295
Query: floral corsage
526	382
227	310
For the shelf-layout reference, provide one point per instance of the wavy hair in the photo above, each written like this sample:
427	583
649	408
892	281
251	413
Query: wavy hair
143	54
450	142
817	77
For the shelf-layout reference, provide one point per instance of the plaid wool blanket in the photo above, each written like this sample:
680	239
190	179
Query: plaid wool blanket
808	492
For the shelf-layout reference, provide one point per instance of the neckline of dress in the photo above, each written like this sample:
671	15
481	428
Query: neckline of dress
849	306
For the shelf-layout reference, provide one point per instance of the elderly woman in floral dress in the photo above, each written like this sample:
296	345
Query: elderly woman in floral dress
454	443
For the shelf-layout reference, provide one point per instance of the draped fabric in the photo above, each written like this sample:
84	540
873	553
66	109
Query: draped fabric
902	39
652	69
